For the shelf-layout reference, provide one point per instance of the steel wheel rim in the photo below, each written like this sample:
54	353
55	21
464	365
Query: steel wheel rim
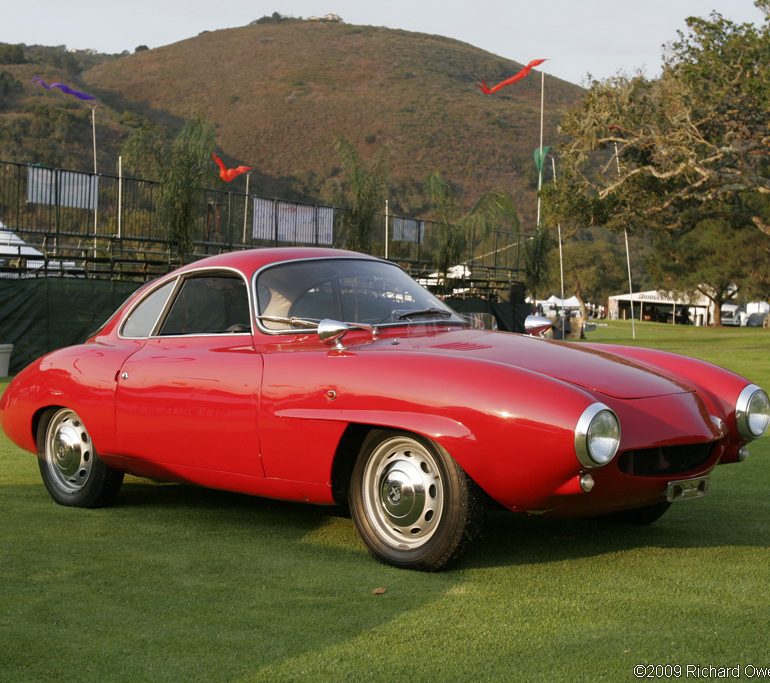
403	493
69	453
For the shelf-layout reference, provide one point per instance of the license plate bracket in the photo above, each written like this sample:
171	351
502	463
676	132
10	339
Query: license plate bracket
686	489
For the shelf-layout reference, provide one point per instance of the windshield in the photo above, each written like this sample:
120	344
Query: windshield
349	290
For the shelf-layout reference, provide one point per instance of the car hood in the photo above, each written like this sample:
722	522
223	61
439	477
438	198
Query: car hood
571	362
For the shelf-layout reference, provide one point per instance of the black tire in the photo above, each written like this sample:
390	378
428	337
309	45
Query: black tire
413	506
639	516
72	472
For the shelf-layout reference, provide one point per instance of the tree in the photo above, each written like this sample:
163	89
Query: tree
593	268
180	167
360	195
12	54
536	261
707	258
9	85
685	152
457	230
451	239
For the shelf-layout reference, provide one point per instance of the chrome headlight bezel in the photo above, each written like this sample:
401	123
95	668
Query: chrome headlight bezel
749	427
589	451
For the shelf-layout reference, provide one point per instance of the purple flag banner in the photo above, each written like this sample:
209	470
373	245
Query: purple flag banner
64	88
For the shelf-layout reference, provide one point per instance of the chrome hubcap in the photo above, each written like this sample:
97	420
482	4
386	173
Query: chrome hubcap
403	493
68	452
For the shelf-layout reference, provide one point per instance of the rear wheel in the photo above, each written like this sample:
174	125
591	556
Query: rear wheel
72	471
413	506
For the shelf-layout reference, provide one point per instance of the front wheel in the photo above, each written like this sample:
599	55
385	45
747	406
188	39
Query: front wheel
72	471
413	506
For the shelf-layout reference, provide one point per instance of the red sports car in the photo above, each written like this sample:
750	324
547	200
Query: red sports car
332	377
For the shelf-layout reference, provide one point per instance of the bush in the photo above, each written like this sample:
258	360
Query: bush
9	84
11	54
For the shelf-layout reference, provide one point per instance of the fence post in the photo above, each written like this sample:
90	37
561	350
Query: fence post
386	227
246	207
275	222
120	196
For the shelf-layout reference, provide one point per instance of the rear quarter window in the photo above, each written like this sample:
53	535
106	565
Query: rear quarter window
143	318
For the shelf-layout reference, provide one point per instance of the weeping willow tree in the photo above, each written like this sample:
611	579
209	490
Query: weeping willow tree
181	167
459	229
360	195
536	263
452	239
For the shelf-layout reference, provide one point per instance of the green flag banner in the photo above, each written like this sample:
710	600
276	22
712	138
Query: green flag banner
539	156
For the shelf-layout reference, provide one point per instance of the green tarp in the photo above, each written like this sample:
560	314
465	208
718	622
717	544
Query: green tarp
38	315
41	314
510	317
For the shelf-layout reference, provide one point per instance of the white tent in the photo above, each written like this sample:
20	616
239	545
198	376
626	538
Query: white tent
699	306
554	301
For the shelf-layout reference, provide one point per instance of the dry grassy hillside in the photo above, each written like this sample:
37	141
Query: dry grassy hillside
280	94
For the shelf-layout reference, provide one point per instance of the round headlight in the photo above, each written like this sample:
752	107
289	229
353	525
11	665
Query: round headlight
597	436
752	412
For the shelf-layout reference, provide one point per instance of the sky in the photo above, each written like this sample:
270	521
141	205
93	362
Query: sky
578	37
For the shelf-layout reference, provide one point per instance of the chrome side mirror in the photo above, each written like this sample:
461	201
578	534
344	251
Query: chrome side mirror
537	325
332	332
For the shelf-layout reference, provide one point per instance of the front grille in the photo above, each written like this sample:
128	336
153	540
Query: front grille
666	460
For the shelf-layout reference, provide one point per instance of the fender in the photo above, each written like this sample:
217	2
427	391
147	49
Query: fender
81	377
718	387
510	429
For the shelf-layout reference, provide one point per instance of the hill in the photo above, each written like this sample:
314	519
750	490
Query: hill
280	93
50	128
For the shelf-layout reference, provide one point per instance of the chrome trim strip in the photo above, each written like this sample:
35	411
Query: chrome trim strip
581	435
180	278
742	412
161	282
719	425
362	257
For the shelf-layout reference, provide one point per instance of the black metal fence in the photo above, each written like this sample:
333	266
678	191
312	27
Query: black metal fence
58	222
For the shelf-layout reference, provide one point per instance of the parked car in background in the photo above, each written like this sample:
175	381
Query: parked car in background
332	377
734	315
757	320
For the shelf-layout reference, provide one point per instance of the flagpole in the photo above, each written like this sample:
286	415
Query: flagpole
96	203
540	170
120	196
387	216
561	257
246	206
628	258
93	134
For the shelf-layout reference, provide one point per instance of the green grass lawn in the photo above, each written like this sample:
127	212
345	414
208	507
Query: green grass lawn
178	583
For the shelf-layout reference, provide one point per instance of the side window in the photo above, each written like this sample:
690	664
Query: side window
145	315
211	304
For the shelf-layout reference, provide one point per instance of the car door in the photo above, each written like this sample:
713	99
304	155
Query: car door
188	398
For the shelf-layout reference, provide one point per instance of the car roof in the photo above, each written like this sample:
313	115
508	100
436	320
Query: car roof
250	260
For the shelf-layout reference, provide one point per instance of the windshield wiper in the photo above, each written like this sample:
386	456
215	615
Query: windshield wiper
419	312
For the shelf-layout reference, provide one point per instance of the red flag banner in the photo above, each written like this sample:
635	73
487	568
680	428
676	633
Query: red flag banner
513	79
229	174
